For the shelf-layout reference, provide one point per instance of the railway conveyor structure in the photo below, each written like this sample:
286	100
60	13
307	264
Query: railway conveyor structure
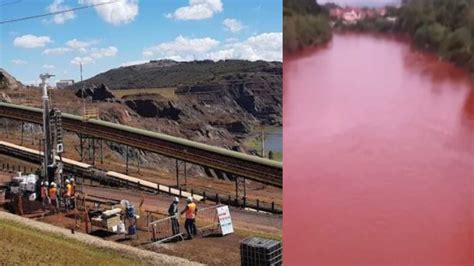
251	167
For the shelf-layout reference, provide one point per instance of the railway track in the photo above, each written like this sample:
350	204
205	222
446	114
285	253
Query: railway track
114	179
251	167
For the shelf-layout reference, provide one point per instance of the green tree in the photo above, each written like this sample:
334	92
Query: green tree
457	47
304	23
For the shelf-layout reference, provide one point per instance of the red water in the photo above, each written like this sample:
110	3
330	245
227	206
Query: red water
379	156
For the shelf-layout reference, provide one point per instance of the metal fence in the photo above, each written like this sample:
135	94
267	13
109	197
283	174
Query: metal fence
165	229
207	220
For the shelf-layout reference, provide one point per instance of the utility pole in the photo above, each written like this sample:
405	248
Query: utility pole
83	98
46	130
263	143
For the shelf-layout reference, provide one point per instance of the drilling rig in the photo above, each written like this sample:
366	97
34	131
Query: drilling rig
52	170
52	134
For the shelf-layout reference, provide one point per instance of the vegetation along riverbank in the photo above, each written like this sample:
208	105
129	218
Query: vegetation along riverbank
445	27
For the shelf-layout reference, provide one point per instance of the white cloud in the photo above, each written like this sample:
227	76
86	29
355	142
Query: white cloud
104	52
120	12
31	41
19	62
95	53
76	44
182	48
83	50
56	51
137	62
63	17
197	9
84	60
232	24
46	66
265	46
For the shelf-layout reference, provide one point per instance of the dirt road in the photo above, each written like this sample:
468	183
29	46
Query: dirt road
244	220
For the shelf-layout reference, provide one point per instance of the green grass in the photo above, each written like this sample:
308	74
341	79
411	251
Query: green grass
25	245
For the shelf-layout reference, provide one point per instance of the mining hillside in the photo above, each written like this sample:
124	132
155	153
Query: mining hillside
222	103
219	103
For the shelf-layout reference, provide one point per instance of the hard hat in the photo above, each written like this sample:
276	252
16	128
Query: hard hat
190	199
45	183
53	184
67	181
42	183
176	199
71	179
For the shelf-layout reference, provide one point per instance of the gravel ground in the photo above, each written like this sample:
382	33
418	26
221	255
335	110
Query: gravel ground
151	257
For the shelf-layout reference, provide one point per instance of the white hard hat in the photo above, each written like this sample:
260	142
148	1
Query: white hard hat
53	184
71	179
67	181
176	199
45	183
190	199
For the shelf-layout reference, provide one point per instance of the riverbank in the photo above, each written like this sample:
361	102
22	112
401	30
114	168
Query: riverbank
305	23
445	28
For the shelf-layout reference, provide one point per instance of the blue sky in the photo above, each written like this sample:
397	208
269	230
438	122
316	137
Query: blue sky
134	31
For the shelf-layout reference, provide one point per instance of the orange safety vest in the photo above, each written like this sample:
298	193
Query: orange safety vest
53	193
191	211
69	190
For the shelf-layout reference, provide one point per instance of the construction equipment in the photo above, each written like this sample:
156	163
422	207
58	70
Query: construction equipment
51	120
24	185
115	219
110	219
29	185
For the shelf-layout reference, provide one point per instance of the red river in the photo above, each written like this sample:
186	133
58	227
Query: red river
379	155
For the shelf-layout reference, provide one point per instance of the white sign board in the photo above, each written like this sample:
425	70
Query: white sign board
225	220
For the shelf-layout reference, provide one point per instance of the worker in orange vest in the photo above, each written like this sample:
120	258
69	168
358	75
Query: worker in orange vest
53	196
44	194
191	212
67	195
73	193
73	186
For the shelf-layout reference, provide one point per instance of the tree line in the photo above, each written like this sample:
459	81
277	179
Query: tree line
445	27
305	23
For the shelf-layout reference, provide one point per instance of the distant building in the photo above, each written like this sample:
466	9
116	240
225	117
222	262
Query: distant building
64	83
392	19
350	15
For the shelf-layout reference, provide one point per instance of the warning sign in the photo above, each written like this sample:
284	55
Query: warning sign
225	220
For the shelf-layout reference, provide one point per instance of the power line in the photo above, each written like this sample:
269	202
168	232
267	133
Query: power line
55	13
11	3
